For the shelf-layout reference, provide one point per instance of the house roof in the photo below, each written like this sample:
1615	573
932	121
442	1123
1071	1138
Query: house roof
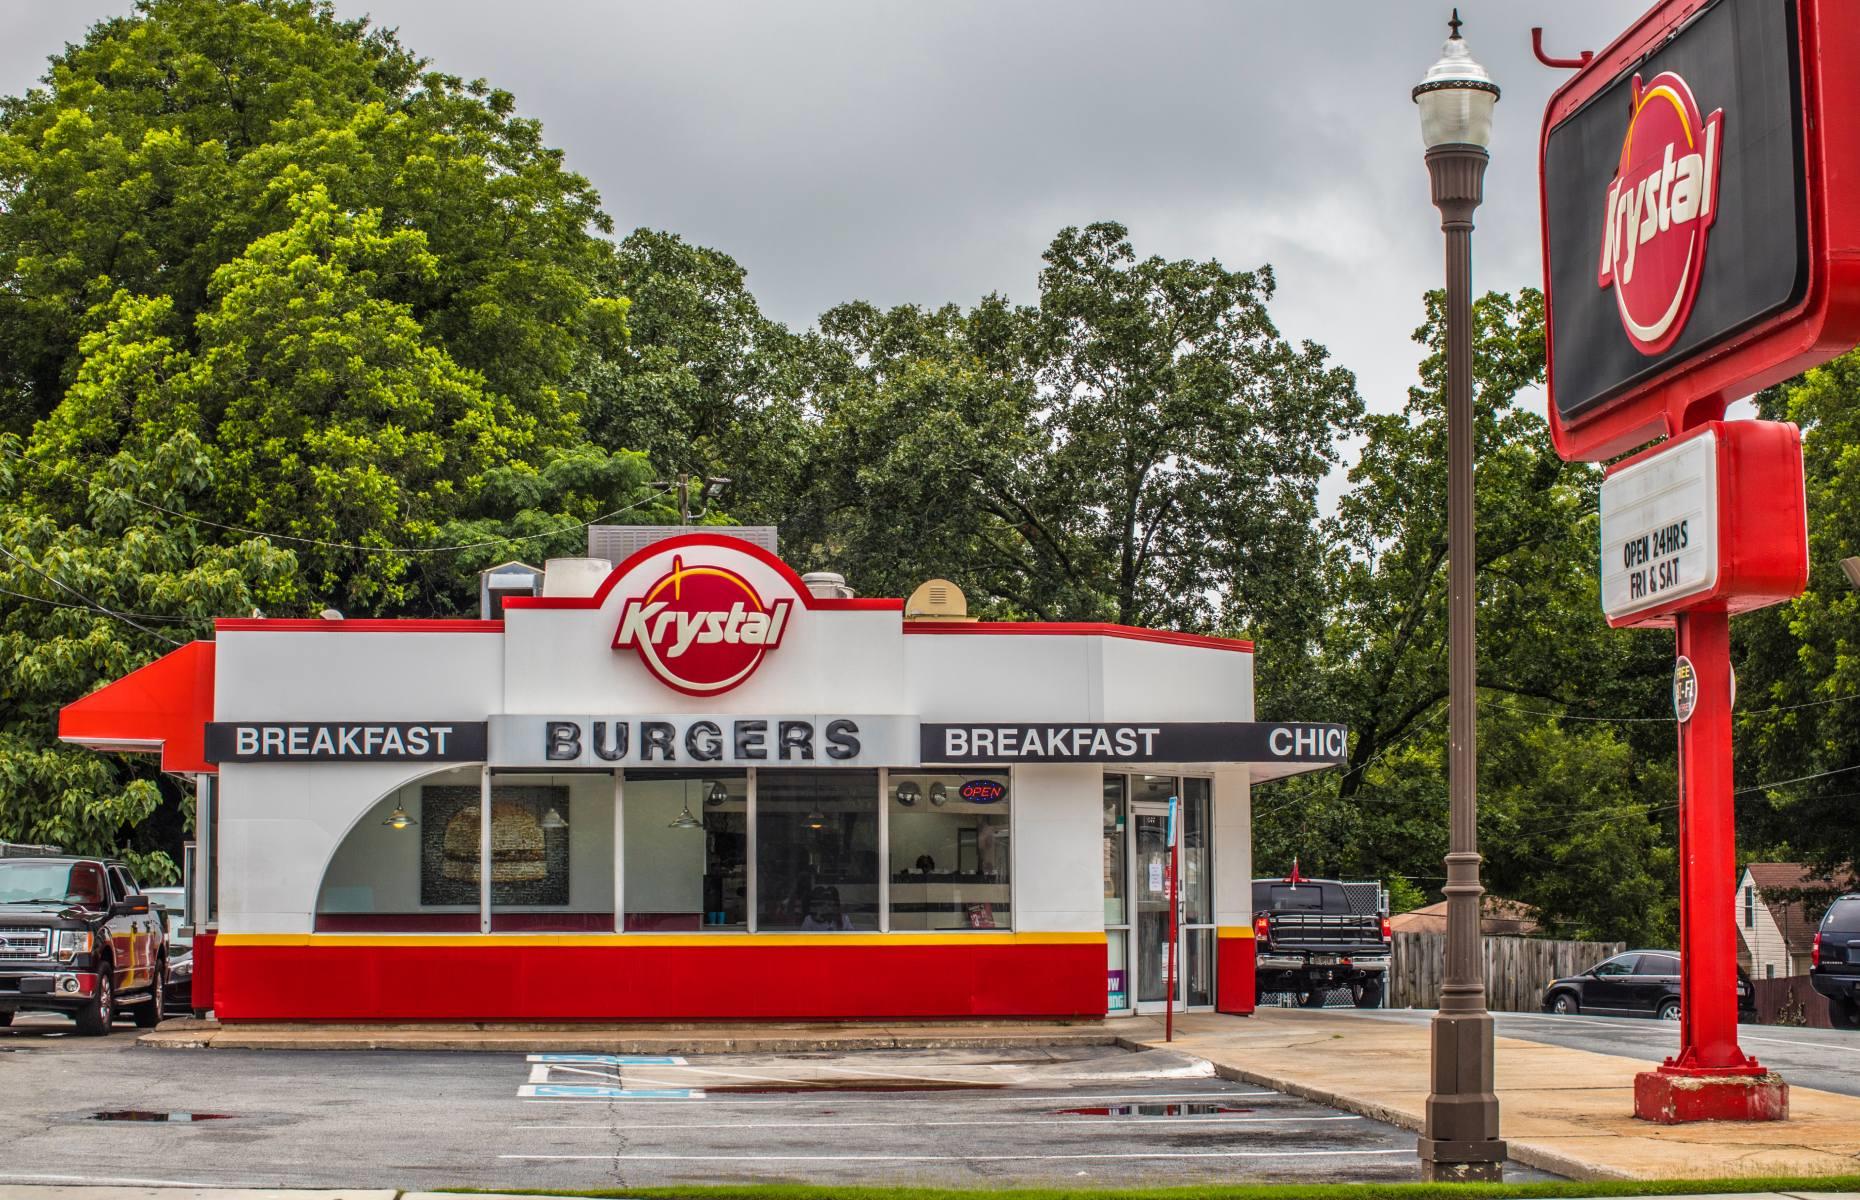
1796	918
1497	916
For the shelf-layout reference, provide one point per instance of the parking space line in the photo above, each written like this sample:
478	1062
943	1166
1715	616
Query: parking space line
588	1091
1072	1121
962	1158
997	1095
609	1060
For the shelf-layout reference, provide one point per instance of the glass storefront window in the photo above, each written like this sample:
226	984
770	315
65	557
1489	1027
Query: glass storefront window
949	851
373	881
1115	874
817	852
1116	972
686	848
1196	836
552	850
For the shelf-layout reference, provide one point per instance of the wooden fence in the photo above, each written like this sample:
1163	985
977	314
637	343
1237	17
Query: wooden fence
1516	969
1790	1000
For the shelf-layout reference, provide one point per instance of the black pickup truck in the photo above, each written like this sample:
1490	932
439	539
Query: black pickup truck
1309	941
77	936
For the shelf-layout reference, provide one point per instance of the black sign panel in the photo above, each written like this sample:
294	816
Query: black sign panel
1135	742
1737	58
345	741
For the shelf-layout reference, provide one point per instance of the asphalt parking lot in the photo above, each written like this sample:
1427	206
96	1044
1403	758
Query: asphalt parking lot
993	1117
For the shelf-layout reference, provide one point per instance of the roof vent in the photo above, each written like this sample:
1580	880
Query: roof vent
499	583
617	543
574	576
937	600
827	585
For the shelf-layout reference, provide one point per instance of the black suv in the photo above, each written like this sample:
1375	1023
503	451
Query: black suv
77	936
1834	963
1640	983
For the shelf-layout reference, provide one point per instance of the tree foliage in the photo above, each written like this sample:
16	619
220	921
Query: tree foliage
1142	446
292	322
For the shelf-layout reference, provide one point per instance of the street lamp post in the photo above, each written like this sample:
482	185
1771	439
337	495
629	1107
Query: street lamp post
1460	1140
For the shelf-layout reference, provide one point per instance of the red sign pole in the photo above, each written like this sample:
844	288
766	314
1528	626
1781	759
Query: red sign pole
1711	1078
1174	937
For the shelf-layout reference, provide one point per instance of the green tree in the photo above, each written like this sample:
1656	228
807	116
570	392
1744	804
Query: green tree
168	142
705	384
293	321
1141	447
1803	657
1544	650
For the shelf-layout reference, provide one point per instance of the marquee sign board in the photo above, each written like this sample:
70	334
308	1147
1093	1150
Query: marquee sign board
1660	529
1717	516
344	741
1699	242
1135	742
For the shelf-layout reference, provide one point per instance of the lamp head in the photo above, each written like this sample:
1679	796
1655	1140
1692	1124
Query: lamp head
1456	96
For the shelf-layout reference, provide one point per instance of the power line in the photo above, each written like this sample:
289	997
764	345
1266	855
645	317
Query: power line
89	607
108	612
1764	787
329	545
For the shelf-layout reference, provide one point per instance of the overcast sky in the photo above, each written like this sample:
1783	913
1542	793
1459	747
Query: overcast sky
927	152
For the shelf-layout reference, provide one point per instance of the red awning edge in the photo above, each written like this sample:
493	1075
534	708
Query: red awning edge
163	707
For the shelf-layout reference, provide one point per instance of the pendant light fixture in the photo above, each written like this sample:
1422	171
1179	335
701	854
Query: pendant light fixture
398	819
552	820
717	795
907	793
939	793
684	819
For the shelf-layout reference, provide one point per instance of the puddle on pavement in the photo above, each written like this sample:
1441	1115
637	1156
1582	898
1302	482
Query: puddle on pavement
138	1114
1152	1110
791	1086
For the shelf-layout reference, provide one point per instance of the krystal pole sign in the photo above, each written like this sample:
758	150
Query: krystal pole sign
1701	240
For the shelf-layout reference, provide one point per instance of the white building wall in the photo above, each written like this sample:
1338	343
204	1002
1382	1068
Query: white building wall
1762	939
1058	848
1233	847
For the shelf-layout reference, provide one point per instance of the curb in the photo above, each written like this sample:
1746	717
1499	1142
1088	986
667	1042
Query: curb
520	1043
1529	1154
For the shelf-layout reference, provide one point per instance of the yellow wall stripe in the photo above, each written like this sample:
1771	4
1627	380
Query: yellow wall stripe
1233	931
722	940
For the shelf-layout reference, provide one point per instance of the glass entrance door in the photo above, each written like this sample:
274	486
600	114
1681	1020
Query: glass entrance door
1150	834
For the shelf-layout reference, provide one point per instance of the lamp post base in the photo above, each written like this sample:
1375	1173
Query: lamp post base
1677	1097
1479	1161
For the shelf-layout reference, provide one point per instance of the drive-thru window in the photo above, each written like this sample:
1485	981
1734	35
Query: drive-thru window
689	786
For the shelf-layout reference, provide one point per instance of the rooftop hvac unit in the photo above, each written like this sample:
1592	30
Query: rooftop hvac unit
617	543
497	584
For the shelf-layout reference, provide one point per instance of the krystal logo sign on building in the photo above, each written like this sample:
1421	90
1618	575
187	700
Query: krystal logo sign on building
1659	210
701	629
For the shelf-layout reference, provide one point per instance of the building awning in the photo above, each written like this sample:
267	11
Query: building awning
161	709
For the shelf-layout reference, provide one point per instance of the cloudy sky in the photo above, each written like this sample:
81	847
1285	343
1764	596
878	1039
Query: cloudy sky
927	152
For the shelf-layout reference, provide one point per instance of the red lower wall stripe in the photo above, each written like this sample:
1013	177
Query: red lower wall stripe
606	983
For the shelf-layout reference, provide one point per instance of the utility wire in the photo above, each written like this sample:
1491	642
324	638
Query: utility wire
125	618
310	541
89	607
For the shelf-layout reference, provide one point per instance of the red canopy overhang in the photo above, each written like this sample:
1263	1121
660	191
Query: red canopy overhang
164	707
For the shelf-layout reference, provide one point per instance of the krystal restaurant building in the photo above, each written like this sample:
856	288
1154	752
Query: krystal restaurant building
690	787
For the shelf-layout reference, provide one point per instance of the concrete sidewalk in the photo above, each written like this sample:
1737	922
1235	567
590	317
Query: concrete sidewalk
1562	1110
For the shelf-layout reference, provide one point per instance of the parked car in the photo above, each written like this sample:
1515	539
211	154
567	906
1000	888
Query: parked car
1640	983
178	992
1308	940
78	936
1834	961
